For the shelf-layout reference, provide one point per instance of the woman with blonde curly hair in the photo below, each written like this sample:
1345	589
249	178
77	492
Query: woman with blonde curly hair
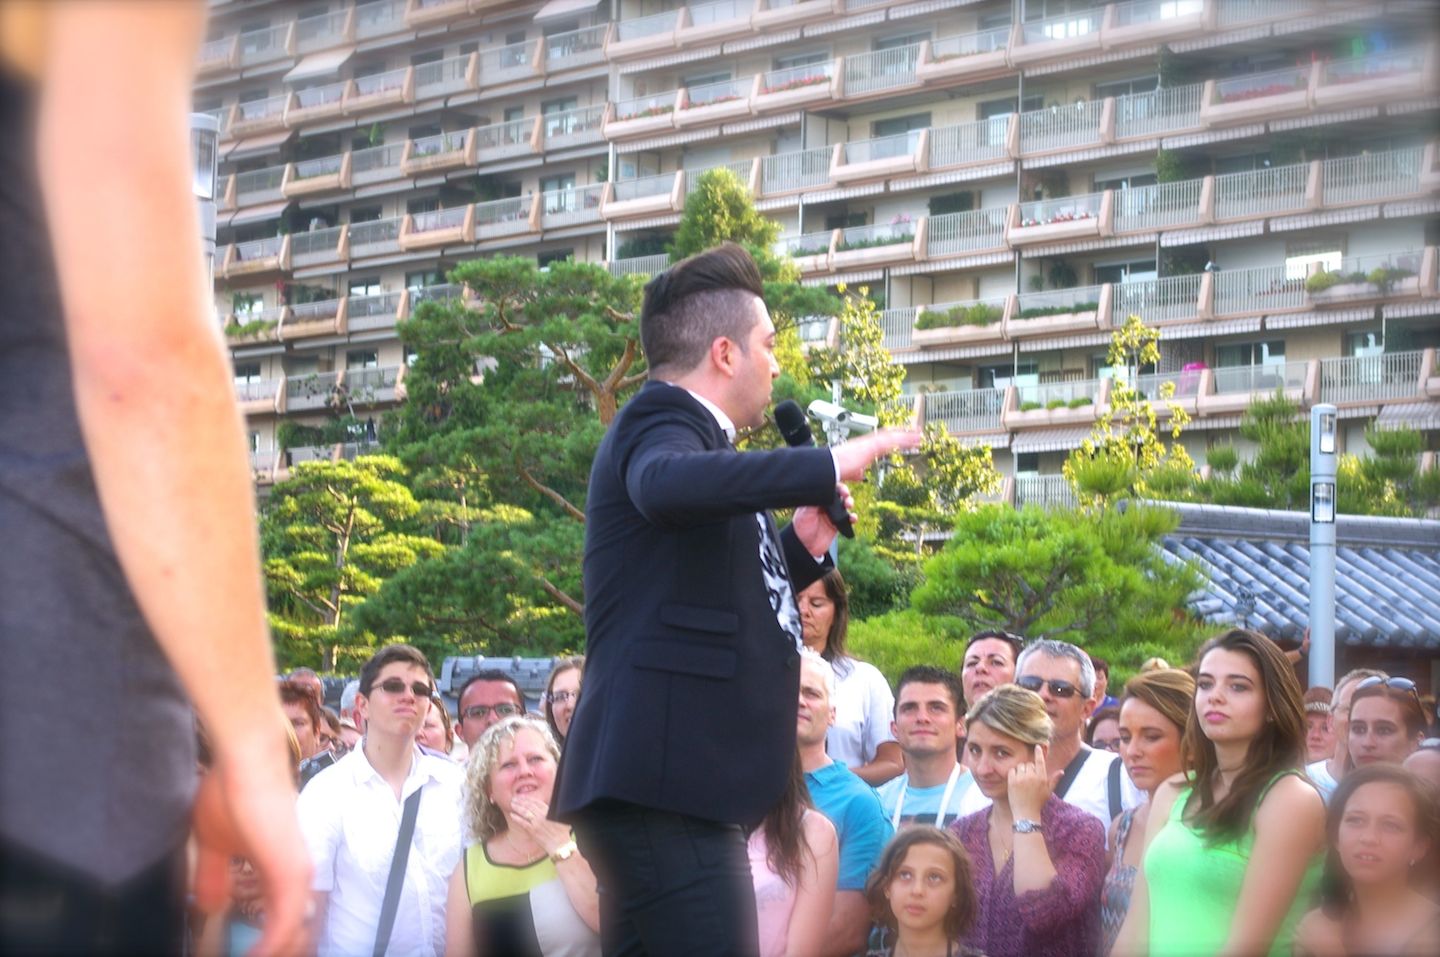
522	887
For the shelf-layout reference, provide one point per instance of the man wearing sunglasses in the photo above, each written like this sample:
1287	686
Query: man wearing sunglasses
487	698
351	816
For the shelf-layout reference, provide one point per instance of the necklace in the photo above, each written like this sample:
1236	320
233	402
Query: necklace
998	841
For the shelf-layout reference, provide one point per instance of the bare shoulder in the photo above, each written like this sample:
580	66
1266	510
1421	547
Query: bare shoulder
819	832
1319	935
1291	795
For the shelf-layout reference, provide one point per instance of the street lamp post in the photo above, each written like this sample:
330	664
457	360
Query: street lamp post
1322	546
204	148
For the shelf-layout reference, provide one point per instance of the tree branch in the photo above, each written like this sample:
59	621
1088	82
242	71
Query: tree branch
559	596
550	493
617	374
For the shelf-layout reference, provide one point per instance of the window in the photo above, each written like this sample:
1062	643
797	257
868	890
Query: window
363	70
952	203
900	124
842	220
513	113
1304	258
254	96
1129	181
800	59
552	184
364	214
1242	164
425	204
991	109
429	56
1370	343
1144	84
1027	463
247	372
254	441
556	119
468	48
362	359
365	286
904	40
424	277
1136	271
1251	354
999	377
422	130
549	256
514	37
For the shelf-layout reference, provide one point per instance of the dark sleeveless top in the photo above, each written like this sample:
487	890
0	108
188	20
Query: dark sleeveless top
98	763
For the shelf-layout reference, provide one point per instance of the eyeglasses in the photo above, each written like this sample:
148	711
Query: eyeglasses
1010	638
482	710
1399	684
563	697
398	686
1060	689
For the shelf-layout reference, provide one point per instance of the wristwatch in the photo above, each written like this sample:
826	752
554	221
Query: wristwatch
564	852
1025	826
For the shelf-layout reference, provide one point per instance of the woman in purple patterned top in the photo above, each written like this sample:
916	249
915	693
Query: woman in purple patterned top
1038	862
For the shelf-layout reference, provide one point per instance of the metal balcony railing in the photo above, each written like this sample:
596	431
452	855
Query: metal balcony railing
503	215
321	31
806	169
259	249
1060	127
452	142
966	410
377	311
378	83
435	219
1158	111
1260	379
952	233
882	147
259	185
797	77
881	69
721	11
376	162
371	383
1237	89
1043	395
439	292
1156	300
641	27
1065	209
330	94
499	64
1067	26
1136	12
442	76
1373	271
572	206
975	313
1246	11
1374	66
741	169
644	186
311	391
270	108
901	229
573	127
1257	290
576	48
505	138
261	46
316	243
963	143
313	311
710	94
377	235
639	265
1275	190
810	244
1372	176
1046	491
969	44
255	390
217	49
378	18
1185	383
1158	206
640	107
1391	375
896	326
1078	299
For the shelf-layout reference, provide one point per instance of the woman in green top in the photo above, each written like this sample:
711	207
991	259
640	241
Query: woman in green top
1233	845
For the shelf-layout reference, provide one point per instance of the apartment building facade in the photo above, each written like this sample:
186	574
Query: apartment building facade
1011	178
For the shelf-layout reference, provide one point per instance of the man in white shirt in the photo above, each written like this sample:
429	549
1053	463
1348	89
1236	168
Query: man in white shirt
350	815
1327	774
1094	781
927	724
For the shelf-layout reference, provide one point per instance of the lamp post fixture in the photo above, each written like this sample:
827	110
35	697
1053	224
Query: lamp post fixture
1322	545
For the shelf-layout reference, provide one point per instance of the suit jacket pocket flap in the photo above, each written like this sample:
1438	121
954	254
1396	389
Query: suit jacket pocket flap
696	618
686	658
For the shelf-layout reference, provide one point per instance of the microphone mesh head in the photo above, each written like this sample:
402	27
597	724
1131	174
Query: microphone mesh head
790	420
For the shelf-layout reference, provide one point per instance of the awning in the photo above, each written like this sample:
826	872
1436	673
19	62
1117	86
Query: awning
954	353
320	64
556	9
1321	317
258	213
1221	327
1050	440
1066	342
1422	416
257	145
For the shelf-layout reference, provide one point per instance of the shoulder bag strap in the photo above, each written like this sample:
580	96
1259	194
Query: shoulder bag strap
1072	770
397	873
1114	789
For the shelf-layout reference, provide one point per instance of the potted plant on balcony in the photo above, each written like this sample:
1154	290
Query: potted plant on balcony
973	322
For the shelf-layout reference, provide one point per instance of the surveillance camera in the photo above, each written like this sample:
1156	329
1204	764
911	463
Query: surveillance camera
828	412
835	417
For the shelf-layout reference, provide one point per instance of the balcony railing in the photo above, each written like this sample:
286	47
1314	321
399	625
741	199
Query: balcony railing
259	186
1046	395
261	46
1247	11
1064	27
1391	375
437	219
1136	12
810	244
255	111
1078	299
450	75
501	64
504	216
896	326
1275	190
784	172
951	233
720	11
376	311
376	162
797	77
259	249
315	311
641	27
451	142
576	48
1158	206
569	207
1158	111
1372	176
881	69
255	390
315	245
967	410
505	139
639	265
372	384
741	169
1066	209
1260	379
1237	89
1259	289
379	18
969	44
899	230
1374	66
883	147
641	107
311	391
1186	384
964	143
217	49
375	236
1060	127
1156	300
644	186
315	97
1046	491
322	31
573	127
711	94
1364	276
380	83
439	292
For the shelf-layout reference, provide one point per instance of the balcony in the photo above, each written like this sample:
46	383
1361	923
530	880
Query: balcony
973	56
258	116
966	234
317	103
896	328
258	396
1372	177
1374	279
1378	77
965	144
1050	404
219	56
424	13
262	465
966	411
1078	309
1162	206
812	251
325	31
1368	379
744	171
376	164
575	206
715	102
1169	299
1065	219
325	318
322	175
574	127
1261	192
379	18
442	293
1045	491
1257	97
257	257
447	77
368	313
1056	38
313	391
645	266
797	87
269	45
643	114
1258	291
712	22
371	386
971	322
793	172
380	90
880	157
881	244
260	186
438	227
435	154
512	63
1184	390
504	140
576	48
1070	127
1235	12
1155	21
773	14
645	34
1159	112
1234	387
320	246
254	327
645	196
507	217
378	237
866	74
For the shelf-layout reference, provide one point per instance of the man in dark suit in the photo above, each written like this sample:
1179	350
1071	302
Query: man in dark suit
686	731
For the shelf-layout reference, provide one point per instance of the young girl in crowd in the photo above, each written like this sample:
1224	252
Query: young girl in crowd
1387	722
1039	862
1233	848
1153	712
794	863
1384	827
920	895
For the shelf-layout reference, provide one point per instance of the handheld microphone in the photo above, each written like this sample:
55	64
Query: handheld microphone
794	428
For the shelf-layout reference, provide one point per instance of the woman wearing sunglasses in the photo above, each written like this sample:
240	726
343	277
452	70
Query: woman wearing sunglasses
1233	847
1387	722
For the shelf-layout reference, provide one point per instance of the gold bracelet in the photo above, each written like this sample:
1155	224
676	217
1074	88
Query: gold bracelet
564	852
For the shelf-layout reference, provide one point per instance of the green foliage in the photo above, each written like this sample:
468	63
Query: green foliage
898	639
236	330
975	314
1029	406
875	584
1223	459
1172	167
1321	281
1037	312
648	244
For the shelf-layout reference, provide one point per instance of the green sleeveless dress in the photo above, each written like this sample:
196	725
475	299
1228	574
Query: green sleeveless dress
1194	888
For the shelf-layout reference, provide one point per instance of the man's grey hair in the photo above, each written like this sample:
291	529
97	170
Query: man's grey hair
347	696
813	659
1061	649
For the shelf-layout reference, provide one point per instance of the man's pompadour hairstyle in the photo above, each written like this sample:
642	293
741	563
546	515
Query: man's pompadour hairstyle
695	302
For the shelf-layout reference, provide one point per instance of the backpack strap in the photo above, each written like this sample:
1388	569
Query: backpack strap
391	904
1114	789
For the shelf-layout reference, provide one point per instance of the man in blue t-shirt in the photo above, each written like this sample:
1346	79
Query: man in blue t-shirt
927	724
849	803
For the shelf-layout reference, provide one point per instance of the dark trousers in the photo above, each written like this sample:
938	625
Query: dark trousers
669	884
48	909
